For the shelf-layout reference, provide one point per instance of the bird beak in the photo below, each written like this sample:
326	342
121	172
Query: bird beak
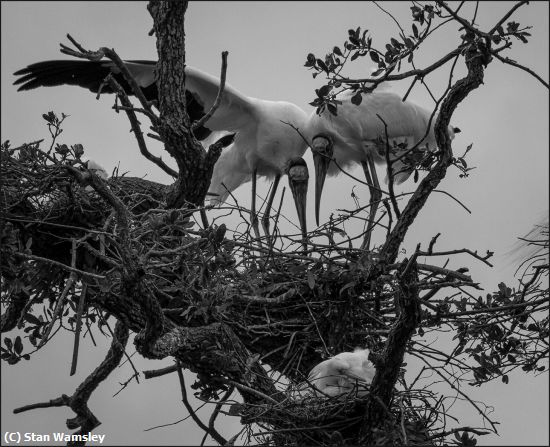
322	149
456	130
298	176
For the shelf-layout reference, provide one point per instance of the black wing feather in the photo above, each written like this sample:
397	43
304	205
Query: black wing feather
90	75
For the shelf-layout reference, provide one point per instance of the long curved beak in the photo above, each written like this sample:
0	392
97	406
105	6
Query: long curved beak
298	176
321	162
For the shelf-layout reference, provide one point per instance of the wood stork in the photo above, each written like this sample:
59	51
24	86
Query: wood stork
342	374
97	169
357	135
265	142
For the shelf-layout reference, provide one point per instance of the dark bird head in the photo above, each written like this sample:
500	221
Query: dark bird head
323	149
298	177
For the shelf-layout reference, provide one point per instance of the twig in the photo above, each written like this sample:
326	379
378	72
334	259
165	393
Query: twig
136	129
506	60
58	264
78	328
215	435
219	96
508	14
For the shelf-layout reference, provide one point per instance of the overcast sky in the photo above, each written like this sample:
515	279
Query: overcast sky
506	119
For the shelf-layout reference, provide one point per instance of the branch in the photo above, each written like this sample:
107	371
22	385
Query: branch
136	129
119	63
219	96
506	60
508	14
210	430
58	264
458	92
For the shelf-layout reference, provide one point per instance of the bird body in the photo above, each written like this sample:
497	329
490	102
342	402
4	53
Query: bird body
265	145
357	131
344	373
357	134
267	140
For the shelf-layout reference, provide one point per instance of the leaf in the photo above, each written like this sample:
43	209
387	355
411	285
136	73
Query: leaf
354	41
396	43
415	30
18	346
355	55
357	98
337	51
505	378
374	56
332	109
322	65
8	343
324	91
346	287
32	319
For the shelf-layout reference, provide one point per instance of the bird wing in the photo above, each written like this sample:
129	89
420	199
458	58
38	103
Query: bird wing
235	111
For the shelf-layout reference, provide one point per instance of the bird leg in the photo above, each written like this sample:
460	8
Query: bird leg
265	218
375	196
254	216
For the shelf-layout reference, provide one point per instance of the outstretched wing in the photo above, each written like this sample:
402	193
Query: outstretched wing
235	110
87	74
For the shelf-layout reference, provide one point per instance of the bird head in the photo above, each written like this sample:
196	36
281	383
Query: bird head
322	148
95	167
298	176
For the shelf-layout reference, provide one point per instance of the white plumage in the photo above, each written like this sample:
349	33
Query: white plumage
266	143
96	168
358	135
342	374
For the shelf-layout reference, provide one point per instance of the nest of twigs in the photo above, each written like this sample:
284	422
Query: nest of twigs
289	310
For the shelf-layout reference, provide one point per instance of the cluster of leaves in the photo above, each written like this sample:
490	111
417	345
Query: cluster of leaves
496	333
13	351
358	45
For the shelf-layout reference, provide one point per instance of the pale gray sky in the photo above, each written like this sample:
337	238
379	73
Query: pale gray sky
506	119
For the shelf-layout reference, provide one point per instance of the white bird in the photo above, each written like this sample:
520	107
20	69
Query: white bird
267	141
344	373
96	168
266	144
357	135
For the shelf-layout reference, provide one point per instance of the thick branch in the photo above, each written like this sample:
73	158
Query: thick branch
458	92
